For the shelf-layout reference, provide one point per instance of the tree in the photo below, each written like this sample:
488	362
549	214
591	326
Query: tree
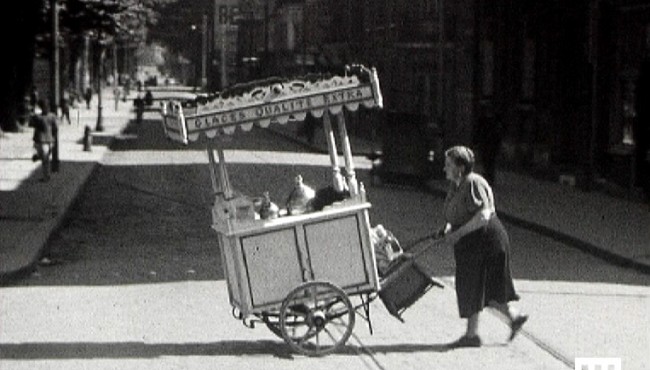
28	30
103	23
19	27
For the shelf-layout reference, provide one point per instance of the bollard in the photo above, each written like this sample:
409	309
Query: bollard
87	140
139	109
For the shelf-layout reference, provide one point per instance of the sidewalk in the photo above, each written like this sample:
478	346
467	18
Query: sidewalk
611	228
31	210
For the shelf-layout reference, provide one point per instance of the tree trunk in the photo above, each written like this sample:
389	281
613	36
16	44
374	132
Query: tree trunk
18	26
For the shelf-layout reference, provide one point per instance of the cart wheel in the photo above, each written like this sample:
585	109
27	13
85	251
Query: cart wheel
316	318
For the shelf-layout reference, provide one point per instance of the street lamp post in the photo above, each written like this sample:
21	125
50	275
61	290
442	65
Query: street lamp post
115	74
204	51
54	61
100	119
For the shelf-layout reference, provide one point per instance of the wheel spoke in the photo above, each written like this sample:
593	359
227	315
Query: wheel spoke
339	324
310	334
330	335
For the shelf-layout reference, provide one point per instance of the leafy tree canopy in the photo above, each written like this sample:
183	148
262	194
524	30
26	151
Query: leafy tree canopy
103	20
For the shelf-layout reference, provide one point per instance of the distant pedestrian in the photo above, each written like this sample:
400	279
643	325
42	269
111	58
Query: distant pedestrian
116	96
148	98
88	95
642	129
45	132
127	88
65	107
139	108
481	247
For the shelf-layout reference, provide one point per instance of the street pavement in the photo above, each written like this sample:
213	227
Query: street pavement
30	211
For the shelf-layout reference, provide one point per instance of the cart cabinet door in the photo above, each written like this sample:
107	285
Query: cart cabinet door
272	265
335	251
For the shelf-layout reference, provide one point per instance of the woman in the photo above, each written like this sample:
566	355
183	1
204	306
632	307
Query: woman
481	247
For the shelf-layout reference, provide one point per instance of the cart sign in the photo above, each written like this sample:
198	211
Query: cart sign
279	102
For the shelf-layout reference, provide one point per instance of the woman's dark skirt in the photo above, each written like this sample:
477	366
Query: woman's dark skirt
483	269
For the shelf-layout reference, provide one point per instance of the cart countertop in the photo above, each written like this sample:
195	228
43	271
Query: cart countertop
243	228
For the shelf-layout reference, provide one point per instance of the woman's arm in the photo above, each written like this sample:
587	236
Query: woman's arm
441	232
480	219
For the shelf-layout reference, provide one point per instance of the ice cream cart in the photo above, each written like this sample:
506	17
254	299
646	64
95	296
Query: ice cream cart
297	273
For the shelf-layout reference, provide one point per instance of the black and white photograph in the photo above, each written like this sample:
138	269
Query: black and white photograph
325	184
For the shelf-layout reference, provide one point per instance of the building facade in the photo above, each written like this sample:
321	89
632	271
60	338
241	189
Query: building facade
558	77
562	76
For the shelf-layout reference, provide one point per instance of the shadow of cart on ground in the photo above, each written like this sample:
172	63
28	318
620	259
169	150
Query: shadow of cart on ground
140	350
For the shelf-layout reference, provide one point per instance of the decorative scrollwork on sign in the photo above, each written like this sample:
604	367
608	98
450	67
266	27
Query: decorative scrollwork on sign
276	100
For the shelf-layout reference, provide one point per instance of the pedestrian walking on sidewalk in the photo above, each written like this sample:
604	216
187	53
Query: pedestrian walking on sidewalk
45	131
148	98
116	96
481	247
127	88
88	96
139	108
65	108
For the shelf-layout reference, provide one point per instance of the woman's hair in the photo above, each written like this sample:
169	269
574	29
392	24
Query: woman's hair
462	156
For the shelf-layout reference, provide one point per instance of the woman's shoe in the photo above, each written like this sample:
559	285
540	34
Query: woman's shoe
516	325
466	342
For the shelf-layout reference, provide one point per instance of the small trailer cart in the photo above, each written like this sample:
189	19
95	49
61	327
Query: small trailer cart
295	273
